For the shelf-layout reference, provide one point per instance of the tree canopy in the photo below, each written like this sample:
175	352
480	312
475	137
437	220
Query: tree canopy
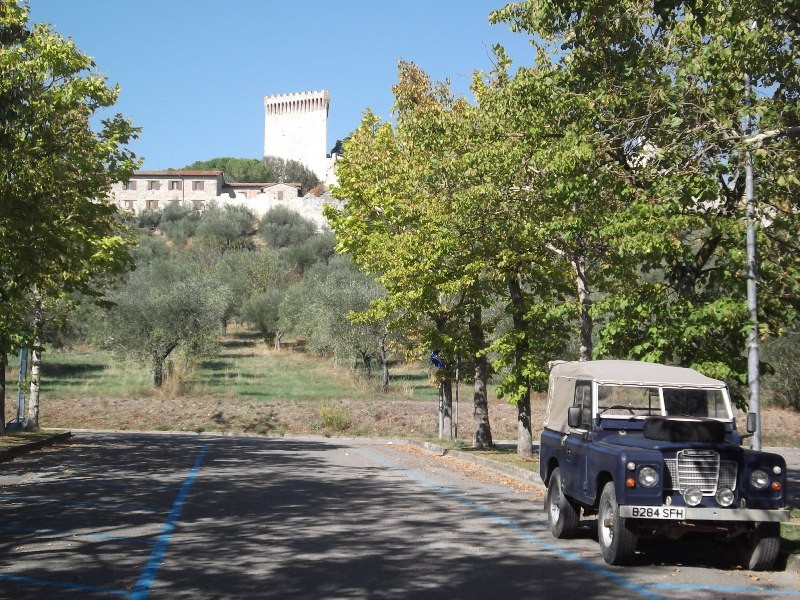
598	195
56	236
271	169
53	168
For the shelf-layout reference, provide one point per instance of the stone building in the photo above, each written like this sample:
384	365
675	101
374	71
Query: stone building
154	190
296	128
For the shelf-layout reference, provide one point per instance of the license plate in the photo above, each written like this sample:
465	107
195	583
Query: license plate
658	512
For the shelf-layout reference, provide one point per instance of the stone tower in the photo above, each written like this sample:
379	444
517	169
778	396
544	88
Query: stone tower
296	128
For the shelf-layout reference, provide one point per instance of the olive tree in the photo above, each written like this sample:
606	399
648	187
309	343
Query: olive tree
166	305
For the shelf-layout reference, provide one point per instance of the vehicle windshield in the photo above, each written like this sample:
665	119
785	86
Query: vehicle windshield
639	401
695	403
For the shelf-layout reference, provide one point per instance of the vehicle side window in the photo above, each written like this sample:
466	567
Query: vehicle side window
583	399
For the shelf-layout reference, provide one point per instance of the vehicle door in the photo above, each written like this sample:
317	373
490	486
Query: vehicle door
577	443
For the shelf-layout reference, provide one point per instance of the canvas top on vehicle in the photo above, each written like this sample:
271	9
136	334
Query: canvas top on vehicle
563	375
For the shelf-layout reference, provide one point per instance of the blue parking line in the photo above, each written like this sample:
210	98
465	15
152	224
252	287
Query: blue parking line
148	575
62	585
76	534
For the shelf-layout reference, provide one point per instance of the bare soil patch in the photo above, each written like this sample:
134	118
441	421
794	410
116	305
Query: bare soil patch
374	417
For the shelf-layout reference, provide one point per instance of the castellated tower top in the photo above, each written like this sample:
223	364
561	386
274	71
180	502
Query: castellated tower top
296	128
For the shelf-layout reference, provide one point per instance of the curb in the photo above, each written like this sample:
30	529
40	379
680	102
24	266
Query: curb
517	473
14	452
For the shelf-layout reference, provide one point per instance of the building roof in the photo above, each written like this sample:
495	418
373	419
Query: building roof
177	173
252	184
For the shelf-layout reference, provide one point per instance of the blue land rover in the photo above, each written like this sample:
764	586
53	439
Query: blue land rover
653	450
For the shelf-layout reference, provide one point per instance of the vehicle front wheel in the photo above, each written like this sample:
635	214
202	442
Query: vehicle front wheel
562	514
759	548
615	534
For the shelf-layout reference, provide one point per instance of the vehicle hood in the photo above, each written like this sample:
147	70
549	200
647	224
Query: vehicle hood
637	440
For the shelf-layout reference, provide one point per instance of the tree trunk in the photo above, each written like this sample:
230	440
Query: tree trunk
366	359
523	402
446	410
277	340
32	418
524	430
582	282
158	365
158	371
383	358
483	431
3	362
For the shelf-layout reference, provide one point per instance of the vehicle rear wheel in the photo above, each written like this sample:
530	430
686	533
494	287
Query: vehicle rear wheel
615	534
759	548
562	514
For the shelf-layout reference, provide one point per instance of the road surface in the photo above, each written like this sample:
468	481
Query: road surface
197	516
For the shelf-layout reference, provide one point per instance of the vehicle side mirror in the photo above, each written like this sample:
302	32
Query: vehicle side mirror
574	416
752	422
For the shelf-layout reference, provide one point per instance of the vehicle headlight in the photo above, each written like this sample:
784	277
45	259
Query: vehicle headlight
759	479
692	496
648	477
724	497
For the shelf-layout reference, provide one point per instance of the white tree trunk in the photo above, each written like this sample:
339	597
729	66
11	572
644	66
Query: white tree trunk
582	283
32	418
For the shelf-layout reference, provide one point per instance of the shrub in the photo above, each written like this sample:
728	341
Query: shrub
149	219
282	227
335	418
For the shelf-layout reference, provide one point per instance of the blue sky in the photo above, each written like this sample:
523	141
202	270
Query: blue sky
194	73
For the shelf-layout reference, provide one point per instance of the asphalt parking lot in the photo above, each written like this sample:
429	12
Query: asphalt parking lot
171	516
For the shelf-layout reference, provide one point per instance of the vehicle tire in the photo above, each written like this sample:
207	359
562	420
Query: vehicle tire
615	534
562	514
759	548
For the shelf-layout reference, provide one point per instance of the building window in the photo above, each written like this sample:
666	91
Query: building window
152	204
175	185
153	185
280	195
197	186
129	185
198	204
129	204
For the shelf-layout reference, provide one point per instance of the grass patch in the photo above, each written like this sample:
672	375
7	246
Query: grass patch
18	438
90	373
244	369
268	375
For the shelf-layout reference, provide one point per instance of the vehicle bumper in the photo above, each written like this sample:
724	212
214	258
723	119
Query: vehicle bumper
716	514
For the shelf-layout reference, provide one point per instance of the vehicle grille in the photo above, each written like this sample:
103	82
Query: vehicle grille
699	468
